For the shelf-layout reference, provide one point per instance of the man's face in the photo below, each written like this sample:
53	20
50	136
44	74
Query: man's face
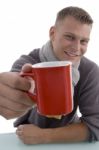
70	39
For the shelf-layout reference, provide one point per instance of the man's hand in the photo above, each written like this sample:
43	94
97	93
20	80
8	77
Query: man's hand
31	134
14	100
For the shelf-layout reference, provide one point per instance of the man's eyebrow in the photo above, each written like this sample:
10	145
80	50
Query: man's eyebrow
73	34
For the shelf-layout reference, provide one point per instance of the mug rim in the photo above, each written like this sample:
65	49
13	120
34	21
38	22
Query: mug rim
52	64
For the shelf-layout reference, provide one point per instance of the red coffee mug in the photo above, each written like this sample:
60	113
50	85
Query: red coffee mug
53	87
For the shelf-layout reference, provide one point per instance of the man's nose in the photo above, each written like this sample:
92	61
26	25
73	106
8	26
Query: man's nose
76	45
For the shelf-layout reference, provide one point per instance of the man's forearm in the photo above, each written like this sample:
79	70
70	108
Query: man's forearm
72	133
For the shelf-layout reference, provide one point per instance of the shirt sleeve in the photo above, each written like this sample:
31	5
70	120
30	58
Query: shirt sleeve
31	58
89	102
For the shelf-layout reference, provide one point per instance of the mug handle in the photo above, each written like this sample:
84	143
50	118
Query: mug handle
30	76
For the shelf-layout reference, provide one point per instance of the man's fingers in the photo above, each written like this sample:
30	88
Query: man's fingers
15	95
14	80
9	114
27	68
14	106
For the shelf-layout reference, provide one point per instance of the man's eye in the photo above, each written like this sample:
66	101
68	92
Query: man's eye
69	37
84	42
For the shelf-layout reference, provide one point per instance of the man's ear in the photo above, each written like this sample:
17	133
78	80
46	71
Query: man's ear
52	33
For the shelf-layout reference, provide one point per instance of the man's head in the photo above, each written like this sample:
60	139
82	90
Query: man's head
71	33
78	13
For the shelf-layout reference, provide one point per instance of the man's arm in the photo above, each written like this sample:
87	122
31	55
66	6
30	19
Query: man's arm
31	134
71	133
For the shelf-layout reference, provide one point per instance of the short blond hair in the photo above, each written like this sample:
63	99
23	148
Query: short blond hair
76	12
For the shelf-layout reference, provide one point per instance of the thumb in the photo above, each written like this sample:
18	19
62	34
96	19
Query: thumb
26	68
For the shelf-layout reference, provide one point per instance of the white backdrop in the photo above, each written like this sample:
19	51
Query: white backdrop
24	25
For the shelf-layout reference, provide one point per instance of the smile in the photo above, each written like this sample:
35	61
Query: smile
71	54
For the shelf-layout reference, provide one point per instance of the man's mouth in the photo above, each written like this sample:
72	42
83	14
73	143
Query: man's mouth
72	54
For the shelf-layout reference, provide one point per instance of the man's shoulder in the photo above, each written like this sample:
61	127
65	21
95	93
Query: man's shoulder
35	52
87	64
87	67
89	74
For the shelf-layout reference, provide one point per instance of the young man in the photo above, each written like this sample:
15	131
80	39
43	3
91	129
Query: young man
69	39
